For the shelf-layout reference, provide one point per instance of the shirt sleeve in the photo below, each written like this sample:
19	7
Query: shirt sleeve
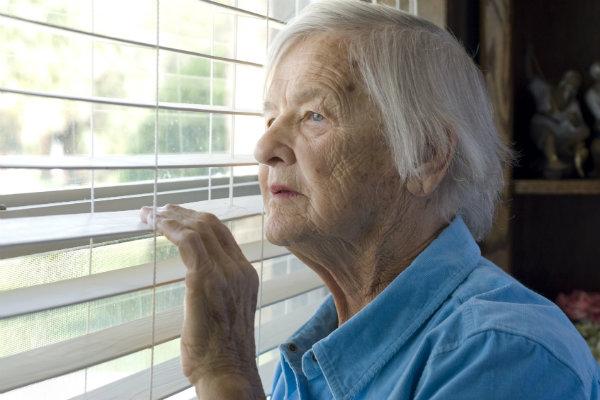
278	385
498	365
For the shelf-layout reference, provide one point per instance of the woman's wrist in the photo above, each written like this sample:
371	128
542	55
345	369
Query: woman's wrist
230	386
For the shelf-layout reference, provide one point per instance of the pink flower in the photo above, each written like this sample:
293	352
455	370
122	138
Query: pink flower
580	305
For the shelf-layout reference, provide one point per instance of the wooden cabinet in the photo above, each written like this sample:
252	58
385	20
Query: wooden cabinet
547	232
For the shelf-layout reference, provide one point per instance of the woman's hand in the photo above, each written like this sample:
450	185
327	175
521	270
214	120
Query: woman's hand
217	338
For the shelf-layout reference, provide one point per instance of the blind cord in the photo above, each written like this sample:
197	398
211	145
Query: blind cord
93	185
154	199
262	232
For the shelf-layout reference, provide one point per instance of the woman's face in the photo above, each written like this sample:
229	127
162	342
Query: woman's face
323	141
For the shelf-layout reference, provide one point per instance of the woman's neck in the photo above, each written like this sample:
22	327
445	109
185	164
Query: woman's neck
356	273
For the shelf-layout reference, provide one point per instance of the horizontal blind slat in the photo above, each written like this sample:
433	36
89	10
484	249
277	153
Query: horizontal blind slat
75	354
18	234
168	380
96	286
120	189
126	41
127	103
132	201
168	376
146	161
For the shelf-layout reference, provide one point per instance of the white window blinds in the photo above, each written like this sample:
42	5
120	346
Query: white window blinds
107	106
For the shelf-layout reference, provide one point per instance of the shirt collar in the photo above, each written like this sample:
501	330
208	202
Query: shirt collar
351	355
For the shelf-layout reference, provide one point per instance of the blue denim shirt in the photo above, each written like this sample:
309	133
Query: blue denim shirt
450	326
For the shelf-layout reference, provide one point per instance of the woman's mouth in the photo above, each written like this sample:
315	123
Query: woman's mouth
279	191
284	194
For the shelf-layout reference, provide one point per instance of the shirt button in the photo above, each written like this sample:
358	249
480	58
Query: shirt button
292	347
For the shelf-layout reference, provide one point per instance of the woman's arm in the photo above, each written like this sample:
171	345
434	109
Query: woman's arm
230	387
217	337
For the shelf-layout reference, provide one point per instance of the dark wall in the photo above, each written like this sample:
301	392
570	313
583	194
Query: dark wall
556	243
462	19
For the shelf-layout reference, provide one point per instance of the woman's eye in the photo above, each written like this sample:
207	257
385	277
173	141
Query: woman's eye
316	117
270	122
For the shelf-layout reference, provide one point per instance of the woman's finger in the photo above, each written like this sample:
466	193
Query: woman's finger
193	252
198	221
229	243
191	218
199	233
224	235
144	213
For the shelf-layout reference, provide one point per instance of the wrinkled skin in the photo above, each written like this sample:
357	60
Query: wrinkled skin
221	286
355	222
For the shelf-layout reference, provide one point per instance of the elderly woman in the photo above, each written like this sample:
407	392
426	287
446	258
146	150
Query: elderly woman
380	168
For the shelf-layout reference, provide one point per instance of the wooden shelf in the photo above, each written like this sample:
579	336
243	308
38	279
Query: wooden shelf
556	187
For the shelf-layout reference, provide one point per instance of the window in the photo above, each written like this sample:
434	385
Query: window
107	106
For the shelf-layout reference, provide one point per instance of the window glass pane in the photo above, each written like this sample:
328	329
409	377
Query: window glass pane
222	83
120	130
209	29
124	71
187	79
39	126
186	24
131	19
281	10
221	132
35	61
257	6
249	88
113	177
301	4
70	13
183	132
193	132
251	39
274	29
248	129
250	173
223	33
184	78
177	173
33	58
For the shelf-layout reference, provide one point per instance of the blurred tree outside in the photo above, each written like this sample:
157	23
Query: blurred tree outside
47	60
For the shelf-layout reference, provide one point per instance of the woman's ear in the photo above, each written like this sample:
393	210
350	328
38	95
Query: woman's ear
432	172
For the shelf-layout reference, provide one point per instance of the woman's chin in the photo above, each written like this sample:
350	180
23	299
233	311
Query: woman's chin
280	234
277	237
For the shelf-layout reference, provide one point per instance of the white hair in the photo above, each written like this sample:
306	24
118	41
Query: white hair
425	85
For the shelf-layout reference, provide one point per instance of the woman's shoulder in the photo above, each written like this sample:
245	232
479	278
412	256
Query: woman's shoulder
494	303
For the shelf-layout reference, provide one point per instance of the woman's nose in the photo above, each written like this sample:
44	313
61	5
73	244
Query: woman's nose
271	150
